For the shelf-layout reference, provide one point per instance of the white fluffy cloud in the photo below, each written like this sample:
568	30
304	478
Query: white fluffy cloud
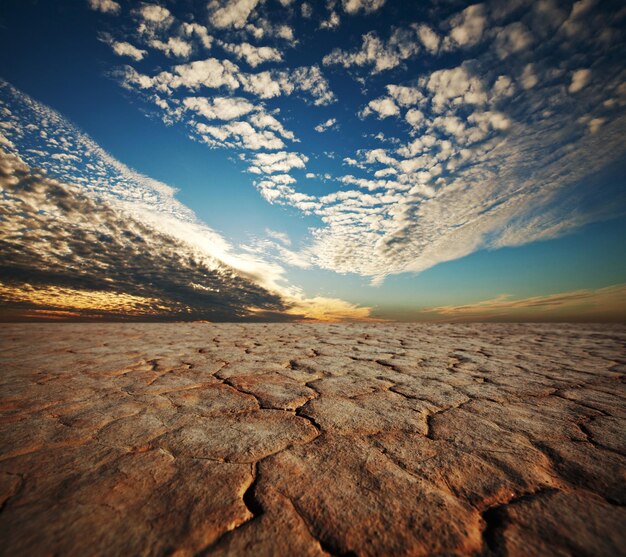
455	85
253	55
414	117
231	13
199	31
429	39
262	120
220	108
127	49
174	46
155	13
283	161
365	6
332	22
309	79
328	124
239	134
105	6
382	107
380	55
258	130
405	96
214	73
467	27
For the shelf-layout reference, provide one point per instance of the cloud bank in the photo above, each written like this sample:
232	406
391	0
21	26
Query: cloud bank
89	242
63	241
601	304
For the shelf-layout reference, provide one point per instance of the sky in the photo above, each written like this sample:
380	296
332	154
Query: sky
229	160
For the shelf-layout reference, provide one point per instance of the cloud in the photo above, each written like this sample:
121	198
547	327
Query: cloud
595	124
239	134
455	85
602	304
279	236
253	55
211	72
529	78
415	117
332	22
383	107
97	259
199	31
174	46
309	79
105	6
231	13
381	55
283	161
328	124
490	167
429	39
330	310
45	301
513	38
490	120
263	28
155	13
580	80
405	96
467	27
220	108
365	6
214	73
153	18
127	49
575	23
263	120
371	185
503	87
51	143
267	84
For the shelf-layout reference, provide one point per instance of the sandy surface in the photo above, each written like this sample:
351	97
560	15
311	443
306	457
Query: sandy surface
312	439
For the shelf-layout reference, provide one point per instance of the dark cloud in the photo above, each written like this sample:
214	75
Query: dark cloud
55	236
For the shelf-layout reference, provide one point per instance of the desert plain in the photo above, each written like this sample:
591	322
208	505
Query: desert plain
312	439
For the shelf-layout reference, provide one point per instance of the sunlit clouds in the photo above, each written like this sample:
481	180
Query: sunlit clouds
602	304
88	303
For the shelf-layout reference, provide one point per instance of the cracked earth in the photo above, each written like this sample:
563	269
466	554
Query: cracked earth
312	439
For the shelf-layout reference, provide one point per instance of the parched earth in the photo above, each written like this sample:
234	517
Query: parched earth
311	439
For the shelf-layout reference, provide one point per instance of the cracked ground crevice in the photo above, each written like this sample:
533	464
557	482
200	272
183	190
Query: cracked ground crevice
312	439
496	520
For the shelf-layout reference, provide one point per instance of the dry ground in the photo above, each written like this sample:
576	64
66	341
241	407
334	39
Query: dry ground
224	439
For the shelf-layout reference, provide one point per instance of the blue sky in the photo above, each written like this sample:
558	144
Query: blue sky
351	158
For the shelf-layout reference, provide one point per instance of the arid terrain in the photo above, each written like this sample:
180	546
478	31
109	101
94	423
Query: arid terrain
312	439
